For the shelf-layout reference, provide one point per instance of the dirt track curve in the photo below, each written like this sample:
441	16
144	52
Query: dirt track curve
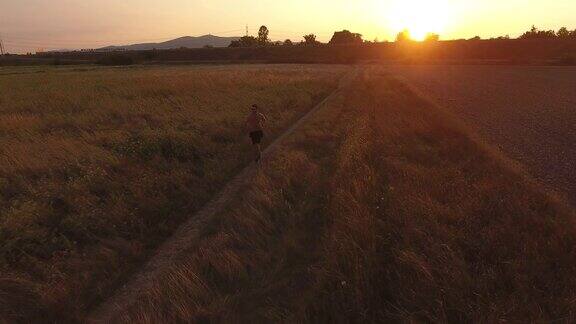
165	255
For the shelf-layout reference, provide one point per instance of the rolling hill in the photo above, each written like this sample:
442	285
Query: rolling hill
186	41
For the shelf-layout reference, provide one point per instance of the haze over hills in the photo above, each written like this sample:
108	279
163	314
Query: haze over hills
186	41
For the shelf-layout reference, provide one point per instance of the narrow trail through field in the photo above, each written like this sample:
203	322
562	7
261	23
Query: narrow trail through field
188	232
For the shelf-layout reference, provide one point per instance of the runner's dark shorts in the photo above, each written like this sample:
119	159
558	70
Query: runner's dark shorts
257	137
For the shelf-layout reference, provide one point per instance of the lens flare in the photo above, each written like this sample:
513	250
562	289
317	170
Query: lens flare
420	17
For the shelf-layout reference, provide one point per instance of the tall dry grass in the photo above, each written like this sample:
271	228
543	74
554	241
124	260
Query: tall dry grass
440	228
98	166
382	209
240	266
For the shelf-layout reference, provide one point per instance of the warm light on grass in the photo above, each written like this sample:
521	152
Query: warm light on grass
379	209
103	164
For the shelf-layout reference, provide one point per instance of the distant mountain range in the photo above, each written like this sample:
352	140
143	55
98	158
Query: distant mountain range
187	41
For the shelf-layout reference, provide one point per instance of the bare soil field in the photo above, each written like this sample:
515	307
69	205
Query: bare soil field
528	112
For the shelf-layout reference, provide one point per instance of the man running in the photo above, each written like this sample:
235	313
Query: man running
255	127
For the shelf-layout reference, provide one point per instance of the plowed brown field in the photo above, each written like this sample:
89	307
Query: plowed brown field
528	112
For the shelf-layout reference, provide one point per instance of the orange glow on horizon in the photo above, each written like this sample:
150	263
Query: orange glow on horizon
417	16
68	24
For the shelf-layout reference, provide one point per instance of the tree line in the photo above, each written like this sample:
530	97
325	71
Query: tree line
342	37
263	40
346	37
405	36
562	33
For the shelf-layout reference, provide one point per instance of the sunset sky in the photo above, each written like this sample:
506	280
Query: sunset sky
29	25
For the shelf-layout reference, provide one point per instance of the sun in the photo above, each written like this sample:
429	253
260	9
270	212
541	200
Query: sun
420	17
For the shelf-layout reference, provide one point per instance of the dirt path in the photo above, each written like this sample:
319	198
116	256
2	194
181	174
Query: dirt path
166	254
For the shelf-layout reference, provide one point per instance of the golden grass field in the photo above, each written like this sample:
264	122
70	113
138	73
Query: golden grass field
381	208
98	166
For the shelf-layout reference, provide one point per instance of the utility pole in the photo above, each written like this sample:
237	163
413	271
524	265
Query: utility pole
246	30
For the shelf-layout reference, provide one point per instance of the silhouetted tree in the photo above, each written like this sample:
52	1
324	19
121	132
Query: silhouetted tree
346	37
535	33
249	41
403	36
288	43
563	33
263	33
432	37
246	41
531	34
475	38
310	40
